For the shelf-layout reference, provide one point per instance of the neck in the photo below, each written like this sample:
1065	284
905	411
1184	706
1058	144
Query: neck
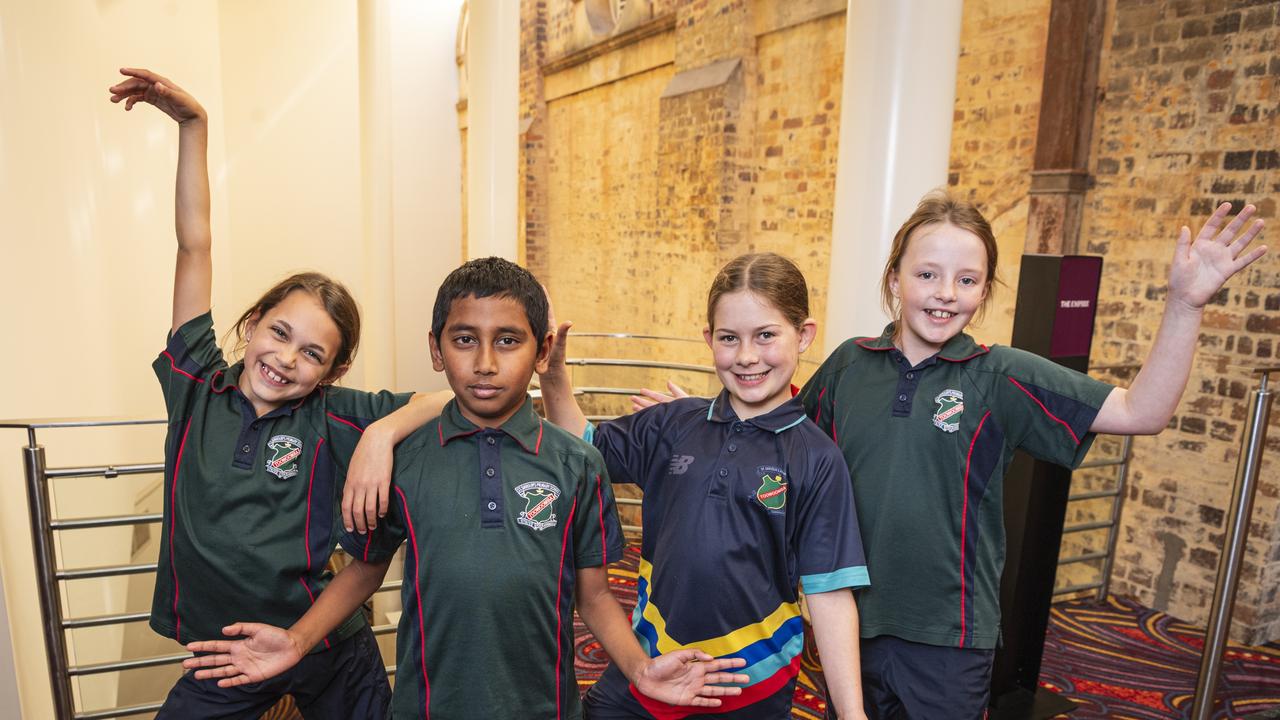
745	411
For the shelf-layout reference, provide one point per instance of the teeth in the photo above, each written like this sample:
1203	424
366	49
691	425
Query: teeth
274	377
940	314
751	378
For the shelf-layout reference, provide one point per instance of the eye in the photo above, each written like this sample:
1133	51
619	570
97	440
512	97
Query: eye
925	275
768	335
279	332
313	356
968	281
728	339
507	341
464	340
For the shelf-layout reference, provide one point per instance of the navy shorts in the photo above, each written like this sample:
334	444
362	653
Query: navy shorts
345	682
904	679
611	699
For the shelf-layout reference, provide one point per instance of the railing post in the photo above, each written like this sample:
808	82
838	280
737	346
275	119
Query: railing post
55	640
1224	591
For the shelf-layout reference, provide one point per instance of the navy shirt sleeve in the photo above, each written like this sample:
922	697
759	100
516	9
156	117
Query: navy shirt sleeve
1048	408
828	542
597	534
190	357
632	445
348	412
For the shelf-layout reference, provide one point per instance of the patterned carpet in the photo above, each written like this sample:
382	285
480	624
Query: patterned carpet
1118	661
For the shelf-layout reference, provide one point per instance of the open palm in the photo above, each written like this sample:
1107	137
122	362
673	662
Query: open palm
265	652
1201	267
690	677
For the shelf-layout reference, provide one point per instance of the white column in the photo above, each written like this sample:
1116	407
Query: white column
493	110
895	136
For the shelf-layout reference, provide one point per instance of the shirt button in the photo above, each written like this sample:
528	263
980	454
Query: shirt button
733	448
911	376
491	441
488	472
723	472
493	505
902	398
244	449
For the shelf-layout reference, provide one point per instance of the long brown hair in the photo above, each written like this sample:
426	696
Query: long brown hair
769	275
941	206
333	296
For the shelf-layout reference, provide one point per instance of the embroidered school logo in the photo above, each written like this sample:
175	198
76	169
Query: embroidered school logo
680	464
539	504
950	407
772	492
285	451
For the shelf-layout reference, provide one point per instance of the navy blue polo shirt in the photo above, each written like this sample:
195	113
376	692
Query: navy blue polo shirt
738	515
497	523
251	503
928	446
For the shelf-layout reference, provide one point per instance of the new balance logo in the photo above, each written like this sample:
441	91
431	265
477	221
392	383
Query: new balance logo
680	464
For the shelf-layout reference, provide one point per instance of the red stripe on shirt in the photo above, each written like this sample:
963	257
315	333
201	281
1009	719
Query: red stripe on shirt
538	445
817	420
306	531
173	521
417	589
964	517
604	546
346	422
1055	418
564	543
180	371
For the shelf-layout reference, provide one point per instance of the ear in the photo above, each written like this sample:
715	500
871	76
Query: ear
543	361
706	335
437	358
336	374
251	324
808	331
893	284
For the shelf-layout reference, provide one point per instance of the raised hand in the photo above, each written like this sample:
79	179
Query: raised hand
265	651
690	677
145	86
649	398
367	489
1201	267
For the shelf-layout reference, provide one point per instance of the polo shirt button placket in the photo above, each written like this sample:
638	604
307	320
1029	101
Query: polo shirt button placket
491	441
488	473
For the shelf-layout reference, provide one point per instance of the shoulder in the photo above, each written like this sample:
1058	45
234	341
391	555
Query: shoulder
816	448
418	443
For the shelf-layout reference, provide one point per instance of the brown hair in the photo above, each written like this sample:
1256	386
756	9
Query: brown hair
333	296
769	275
940	206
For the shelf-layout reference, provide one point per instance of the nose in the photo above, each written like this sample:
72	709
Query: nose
746	355
486	360
946	292
287	356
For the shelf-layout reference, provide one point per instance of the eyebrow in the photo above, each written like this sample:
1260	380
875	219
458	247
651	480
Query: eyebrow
504	329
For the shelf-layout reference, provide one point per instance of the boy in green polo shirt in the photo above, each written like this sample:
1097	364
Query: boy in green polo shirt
508	520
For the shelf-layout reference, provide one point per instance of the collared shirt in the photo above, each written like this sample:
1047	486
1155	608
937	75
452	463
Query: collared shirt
250	503
497	522
928	446
738	514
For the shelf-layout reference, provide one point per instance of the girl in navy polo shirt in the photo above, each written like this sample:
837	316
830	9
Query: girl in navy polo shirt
255	456
746	501
928	420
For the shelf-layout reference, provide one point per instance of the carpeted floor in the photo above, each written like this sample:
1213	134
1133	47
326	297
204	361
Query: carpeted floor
1117	661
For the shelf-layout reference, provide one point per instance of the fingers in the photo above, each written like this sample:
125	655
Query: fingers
1214	222
370	511
1236	223
1240	243
700	701
676	390
237	680
384	500
348	501
226	671
1248	258
713	665
210	646
205	661
711	690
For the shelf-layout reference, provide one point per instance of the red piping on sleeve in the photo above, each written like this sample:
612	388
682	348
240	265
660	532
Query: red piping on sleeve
346	422
1046	411
180	371
417	589
306	531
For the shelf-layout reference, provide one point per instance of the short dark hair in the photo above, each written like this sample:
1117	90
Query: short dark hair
490	277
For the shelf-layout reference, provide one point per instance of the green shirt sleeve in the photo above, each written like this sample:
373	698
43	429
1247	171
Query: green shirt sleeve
190	358
597	534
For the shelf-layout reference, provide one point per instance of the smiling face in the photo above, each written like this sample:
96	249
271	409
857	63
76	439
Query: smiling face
488	352
756	351
940	282
289	351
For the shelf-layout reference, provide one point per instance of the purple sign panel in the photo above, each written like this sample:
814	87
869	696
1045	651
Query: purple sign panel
1078	280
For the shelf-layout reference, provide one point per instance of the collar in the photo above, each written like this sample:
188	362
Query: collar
525	427
229	379
960	348
784	417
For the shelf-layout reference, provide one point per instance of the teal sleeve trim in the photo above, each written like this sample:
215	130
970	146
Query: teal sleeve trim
589	432
850	577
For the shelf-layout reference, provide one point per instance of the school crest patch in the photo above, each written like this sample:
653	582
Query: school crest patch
539	509
950	408
772	492
283	460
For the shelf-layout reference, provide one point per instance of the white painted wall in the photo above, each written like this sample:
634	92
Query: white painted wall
86	193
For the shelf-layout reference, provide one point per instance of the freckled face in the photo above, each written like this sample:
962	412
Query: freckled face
940	284
756	351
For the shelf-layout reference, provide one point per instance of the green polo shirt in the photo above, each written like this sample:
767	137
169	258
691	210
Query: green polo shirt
927	448
250	503
496	521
